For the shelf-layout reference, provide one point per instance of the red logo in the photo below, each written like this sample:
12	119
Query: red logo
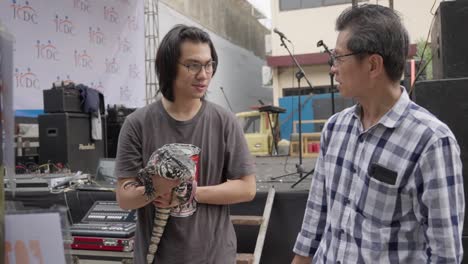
67	79
98	86
125	2
125	94
64	25
133	71
112	66
96	36
24	12
132	23
124	45
110	15
82	5
83	60
26	79
47	51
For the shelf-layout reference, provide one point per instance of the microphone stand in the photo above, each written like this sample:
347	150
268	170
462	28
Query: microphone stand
332	88
299	75
222	90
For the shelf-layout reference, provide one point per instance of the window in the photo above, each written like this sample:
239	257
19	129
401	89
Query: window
250	124
286	5
307	90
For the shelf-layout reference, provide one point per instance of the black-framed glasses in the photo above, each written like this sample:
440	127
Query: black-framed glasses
336	59
195	67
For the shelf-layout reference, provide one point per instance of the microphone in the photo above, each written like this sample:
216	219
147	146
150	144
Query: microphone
321	44
330	59
281	34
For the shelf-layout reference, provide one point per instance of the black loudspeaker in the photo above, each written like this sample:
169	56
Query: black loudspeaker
115	117
66	138
450	41
447	100
62	99
113	131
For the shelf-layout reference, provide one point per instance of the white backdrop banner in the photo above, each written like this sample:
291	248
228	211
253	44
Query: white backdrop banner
97	43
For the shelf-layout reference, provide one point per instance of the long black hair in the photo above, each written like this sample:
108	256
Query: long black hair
168	55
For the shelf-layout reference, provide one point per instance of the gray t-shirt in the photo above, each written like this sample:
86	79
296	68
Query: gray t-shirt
208	235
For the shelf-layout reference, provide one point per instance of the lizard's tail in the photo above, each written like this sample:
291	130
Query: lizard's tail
160	220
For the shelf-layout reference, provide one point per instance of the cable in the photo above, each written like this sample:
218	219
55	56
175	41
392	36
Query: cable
433	4
420	70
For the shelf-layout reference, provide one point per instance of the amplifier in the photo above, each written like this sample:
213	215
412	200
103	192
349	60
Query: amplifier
114	230
62	99
101	243
66	138
67	98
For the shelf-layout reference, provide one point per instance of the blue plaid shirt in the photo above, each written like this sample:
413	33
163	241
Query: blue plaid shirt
390	194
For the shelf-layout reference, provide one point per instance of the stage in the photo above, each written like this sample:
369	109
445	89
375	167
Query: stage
285	220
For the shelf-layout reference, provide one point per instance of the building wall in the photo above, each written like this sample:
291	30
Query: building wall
233	20
305	27
239	69
314	73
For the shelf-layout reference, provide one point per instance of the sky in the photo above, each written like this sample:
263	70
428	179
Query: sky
264	7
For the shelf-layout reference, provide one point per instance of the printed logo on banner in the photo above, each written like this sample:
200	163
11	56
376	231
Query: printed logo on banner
24	12
23	251
83	60
124	45
132	23
112	66
26	80
67	79
125	2
96	36
111	15
47	51
125	94
82	5
133	71
64	25
97	86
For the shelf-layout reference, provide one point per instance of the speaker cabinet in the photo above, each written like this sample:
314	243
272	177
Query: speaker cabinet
113	131
66	138
63	99
447	100
450	41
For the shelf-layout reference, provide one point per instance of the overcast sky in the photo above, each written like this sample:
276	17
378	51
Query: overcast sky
264	7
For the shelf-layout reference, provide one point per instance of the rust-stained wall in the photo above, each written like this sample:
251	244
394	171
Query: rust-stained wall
230	19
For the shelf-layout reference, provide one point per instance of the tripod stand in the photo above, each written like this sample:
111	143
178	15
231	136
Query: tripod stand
332	88
299	75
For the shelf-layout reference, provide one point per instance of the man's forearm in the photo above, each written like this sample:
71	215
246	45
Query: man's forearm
129	196
230	192
298	259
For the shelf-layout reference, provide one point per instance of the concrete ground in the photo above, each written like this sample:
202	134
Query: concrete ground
269	167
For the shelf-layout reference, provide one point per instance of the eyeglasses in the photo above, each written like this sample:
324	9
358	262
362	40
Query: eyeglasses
335	60
195	67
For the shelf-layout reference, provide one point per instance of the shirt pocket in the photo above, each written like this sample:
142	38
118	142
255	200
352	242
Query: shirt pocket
378	201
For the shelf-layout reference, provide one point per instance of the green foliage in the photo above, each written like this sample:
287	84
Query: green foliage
426	57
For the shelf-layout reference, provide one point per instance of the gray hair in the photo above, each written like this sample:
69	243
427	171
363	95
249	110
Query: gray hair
377	30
